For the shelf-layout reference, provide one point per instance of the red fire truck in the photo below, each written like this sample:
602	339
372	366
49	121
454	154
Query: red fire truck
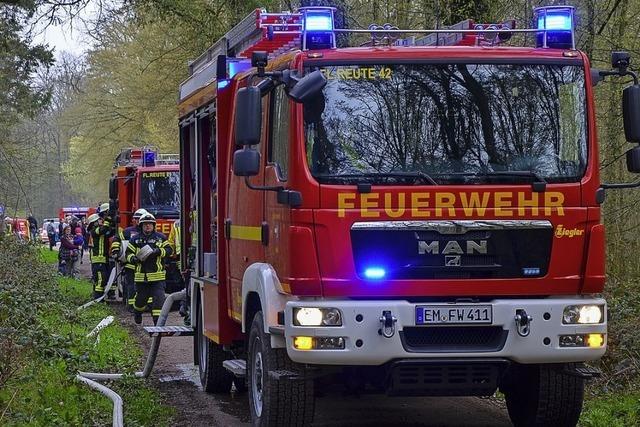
419	216
77	211
143	178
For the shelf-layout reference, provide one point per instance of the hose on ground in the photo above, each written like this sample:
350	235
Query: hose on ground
155	344
112	278
89	377
118	418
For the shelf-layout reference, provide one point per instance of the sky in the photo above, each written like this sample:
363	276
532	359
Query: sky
66	37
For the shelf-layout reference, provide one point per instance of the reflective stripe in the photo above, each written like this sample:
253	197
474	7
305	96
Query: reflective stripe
243	232
136	308
156	312
149	300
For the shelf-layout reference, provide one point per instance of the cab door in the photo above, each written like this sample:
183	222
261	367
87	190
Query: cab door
243	224
278	216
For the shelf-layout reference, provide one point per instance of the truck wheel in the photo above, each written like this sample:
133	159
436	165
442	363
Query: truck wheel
213	376
272	402
543	395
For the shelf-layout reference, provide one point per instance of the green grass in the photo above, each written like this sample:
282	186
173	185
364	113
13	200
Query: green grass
618	409
49	257
45	392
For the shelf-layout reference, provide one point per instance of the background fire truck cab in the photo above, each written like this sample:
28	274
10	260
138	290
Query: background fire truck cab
143	178
417	216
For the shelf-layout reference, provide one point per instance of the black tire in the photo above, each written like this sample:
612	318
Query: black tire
213	376
271	402
544	395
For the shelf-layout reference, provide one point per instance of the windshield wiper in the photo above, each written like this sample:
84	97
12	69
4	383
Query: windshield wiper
527	174
400	174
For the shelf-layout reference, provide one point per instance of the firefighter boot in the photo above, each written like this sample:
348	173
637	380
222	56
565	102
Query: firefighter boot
137	317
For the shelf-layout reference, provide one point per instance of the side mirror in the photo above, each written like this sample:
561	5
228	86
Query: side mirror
633	160
246	162
308	87
631	112
113	188
248	116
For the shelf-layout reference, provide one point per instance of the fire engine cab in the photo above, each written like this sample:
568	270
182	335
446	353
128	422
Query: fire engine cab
419	215
144	178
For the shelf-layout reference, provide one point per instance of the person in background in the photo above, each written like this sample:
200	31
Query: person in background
8	225
174	242
69	253
100	231
129	269
33	227
51	234
64	255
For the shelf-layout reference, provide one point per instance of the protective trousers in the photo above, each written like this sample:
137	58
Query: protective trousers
145	290
100	272
129	287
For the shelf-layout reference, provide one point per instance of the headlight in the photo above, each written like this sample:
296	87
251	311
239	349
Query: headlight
313	316
583	314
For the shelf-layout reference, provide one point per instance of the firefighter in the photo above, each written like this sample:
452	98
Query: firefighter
146	251
129	269
100	231
174	242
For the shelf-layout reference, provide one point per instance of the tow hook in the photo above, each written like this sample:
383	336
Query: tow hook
388	322
523	322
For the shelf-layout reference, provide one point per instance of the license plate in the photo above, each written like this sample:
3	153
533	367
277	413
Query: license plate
456	314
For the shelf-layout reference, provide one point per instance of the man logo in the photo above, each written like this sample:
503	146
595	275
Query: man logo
453	247
452	260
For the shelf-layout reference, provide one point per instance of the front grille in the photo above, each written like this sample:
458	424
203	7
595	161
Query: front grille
409	251
436	339
454	379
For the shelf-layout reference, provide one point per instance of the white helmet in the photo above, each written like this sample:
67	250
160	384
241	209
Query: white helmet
147	218
137	214
92	218
104	207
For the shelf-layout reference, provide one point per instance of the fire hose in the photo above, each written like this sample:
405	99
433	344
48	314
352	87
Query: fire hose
89	377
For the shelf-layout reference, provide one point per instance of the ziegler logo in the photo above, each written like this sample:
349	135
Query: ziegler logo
452	247
566	232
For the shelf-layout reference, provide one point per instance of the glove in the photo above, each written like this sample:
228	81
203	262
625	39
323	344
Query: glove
156	251
134	260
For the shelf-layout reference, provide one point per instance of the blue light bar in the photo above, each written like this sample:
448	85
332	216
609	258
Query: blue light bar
319	22
374	273
555	21
149	158
317	28
558	21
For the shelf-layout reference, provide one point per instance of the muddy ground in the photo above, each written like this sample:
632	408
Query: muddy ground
176	378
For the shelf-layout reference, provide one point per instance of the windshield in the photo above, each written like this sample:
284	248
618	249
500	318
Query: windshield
448	124
160	192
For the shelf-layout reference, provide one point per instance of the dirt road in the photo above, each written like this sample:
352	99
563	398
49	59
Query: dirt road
176	378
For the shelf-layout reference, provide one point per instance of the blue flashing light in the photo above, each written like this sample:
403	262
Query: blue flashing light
235	67
223	83
149	158
319	22
374	273
317	28
558	21
555	21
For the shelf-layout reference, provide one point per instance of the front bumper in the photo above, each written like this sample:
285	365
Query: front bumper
364	345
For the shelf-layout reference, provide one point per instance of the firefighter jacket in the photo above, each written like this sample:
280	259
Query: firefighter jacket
122	235
100	235
152	268
174	238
